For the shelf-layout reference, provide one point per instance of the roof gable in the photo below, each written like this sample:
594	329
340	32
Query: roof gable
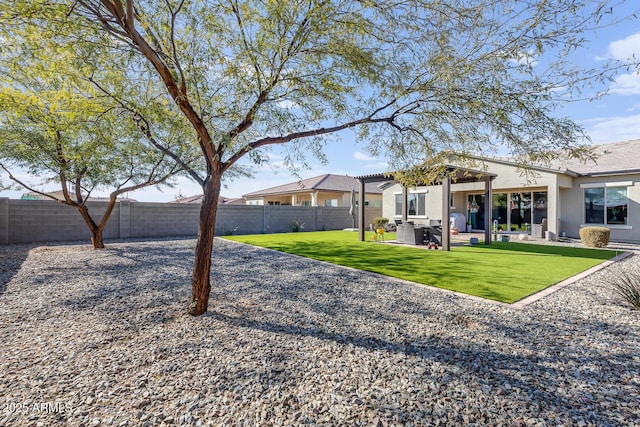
326	182
611	159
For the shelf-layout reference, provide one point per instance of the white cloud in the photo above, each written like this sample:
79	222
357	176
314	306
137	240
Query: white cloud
288	105
363	157
612	129
627	84
625	48
379	166
526	58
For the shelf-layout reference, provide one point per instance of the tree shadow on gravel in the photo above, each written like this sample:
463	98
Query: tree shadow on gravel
543	378
11	259
563	371
140	285
142	282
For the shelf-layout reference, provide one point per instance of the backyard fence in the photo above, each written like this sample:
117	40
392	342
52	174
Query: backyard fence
24	221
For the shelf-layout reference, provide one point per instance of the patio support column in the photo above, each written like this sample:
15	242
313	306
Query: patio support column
314	198
446	213
487	210
361	196
405	202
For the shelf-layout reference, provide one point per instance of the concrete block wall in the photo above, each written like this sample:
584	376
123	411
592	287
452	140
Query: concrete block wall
240	219
4	221
163	219
336	219
24	221
46	220
280	219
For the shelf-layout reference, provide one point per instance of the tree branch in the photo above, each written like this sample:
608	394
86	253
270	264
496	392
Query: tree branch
314	132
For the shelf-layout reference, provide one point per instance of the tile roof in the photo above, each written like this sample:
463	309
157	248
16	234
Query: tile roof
326	182
613	158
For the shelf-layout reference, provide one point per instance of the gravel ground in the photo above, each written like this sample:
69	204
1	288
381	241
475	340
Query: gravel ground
99	338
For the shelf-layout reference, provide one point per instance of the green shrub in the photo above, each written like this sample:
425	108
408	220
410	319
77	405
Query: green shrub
297	226
627	286
595	237
380	222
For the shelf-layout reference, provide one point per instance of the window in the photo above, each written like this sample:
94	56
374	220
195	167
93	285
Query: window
274	203
416	204
605	205
398	204
331	203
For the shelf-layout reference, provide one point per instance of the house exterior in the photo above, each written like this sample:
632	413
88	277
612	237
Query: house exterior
563	198
327	190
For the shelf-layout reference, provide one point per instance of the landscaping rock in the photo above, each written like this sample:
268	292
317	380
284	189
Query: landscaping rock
100	338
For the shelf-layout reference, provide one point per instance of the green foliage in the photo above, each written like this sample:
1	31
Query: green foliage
297	226
418	79
595	237
380	222
504	272
229	231
627	285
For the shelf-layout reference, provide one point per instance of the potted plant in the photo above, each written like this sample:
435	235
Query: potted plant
454	230
469	227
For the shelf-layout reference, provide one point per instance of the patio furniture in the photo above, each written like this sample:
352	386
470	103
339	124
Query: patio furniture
434	234
537	230
408	233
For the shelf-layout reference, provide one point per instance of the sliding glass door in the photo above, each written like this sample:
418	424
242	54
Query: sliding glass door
513	211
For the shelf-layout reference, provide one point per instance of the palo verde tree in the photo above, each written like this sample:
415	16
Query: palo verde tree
414	78
60	131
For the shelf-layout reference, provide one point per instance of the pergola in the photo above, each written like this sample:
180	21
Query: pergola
451	174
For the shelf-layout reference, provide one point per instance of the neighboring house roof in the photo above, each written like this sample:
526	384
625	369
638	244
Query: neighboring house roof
190	199
221	200
326	182
59	195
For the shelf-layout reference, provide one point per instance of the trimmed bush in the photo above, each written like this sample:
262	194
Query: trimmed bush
595	237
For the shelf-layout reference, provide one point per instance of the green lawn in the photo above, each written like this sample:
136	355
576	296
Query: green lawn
504	272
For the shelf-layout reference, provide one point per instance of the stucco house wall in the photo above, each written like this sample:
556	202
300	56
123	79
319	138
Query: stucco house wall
573	207
565	197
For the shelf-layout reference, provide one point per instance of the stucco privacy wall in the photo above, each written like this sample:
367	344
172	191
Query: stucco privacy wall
42	220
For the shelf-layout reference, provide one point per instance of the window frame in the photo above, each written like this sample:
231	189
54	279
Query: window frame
417	195
605	186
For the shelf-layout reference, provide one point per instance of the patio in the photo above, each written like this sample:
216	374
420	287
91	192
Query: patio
449	174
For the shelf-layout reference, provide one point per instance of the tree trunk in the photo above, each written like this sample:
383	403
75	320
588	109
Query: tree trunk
96	239
96	231
201	277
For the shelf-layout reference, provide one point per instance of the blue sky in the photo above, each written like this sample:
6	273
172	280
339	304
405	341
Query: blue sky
615	117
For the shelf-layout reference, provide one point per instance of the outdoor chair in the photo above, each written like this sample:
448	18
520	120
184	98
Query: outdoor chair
434	234
412	235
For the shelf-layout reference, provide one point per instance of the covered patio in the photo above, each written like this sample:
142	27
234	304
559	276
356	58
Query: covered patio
451	175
